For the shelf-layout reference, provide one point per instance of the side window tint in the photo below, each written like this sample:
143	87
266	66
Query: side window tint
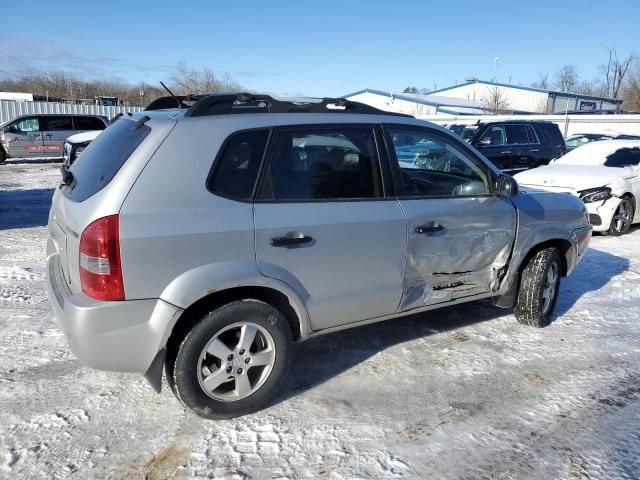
431	166
340	163
58	123
494	135
88	123
517	134
625	157
236	170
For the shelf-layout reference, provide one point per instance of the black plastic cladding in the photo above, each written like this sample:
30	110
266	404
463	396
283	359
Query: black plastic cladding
221	104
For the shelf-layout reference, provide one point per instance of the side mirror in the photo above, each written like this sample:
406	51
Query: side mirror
484	141
506	186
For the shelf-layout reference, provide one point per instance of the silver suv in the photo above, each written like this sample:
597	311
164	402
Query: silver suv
205	239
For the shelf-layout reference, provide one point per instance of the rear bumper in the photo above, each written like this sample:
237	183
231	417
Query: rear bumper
118	336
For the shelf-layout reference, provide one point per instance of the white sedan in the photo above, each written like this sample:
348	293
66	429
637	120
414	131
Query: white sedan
606	177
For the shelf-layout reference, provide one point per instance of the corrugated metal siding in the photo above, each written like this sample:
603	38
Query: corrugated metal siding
10	109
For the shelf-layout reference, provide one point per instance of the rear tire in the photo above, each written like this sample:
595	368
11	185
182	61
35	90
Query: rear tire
622	218
539	286
234	361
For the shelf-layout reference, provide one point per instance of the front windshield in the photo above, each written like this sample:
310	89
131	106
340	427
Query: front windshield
576	140
469	132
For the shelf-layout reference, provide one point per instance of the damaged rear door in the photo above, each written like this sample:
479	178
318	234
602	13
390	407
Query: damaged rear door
459	233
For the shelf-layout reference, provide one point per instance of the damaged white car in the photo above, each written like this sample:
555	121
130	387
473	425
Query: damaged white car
606	177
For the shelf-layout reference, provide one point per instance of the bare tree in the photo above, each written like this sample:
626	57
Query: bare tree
615	70
495	100
188	80
631	91
593	88
64	86
567	78
543	82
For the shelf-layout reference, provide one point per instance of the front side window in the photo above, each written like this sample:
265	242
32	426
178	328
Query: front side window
236	170
625	157
432	166
25	126
494	135
324	164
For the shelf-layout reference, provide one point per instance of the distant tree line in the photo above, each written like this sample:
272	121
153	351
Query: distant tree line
66	86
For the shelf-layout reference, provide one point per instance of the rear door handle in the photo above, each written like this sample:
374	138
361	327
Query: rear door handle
506	152
430	227
291	239
535	150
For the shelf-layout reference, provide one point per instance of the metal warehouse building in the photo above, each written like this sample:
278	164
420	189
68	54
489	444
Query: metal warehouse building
415	104
528	99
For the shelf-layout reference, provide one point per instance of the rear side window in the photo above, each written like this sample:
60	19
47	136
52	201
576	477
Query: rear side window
58	123
550	133
103	158
517	134
89	123
236	170
324	164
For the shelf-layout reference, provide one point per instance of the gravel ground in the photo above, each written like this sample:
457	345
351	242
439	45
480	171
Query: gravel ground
462	392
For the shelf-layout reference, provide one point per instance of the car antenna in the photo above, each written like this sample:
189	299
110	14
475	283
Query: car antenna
171	93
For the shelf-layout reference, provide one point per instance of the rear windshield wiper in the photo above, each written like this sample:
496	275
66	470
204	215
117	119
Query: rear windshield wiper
67	176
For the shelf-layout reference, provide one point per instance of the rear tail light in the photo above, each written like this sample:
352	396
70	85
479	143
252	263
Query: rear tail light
100	271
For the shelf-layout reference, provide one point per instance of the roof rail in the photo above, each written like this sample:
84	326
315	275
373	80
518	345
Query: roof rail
179	101
221	104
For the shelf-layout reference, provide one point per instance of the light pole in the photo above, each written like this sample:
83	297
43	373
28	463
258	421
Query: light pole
495	69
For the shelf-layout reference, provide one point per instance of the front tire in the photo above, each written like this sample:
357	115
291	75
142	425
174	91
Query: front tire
539	286
234	361
622	218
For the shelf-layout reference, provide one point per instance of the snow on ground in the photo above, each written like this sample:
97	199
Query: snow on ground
462	392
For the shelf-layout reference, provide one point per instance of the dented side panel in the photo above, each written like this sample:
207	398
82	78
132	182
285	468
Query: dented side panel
467	256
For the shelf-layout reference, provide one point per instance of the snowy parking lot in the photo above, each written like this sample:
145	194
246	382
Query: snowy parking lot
461	392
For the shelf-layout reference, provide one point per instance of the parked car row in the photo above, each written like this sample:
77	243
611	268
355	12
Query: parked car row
43	135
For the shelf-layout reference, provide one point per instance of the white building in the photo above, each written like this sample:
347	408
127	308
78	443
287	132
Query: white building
528	99
417	105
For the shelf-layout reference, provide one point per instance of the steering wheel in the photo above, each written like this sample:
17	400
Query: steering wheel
418	186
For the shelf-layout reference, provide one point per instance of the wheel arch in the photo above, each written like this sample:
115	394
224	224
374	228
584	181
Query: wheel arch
566	248
562	244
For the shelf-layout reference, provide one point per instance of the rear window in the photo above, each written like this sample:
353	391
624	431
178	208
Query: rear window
103	158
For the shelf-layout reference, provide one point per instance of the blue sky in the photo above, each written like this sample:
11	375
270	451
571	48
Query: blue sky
324	48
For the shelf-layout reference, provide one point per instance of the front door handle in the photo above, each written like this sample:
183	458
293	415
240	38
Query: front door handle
506	152
430	227
291	239
535	150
